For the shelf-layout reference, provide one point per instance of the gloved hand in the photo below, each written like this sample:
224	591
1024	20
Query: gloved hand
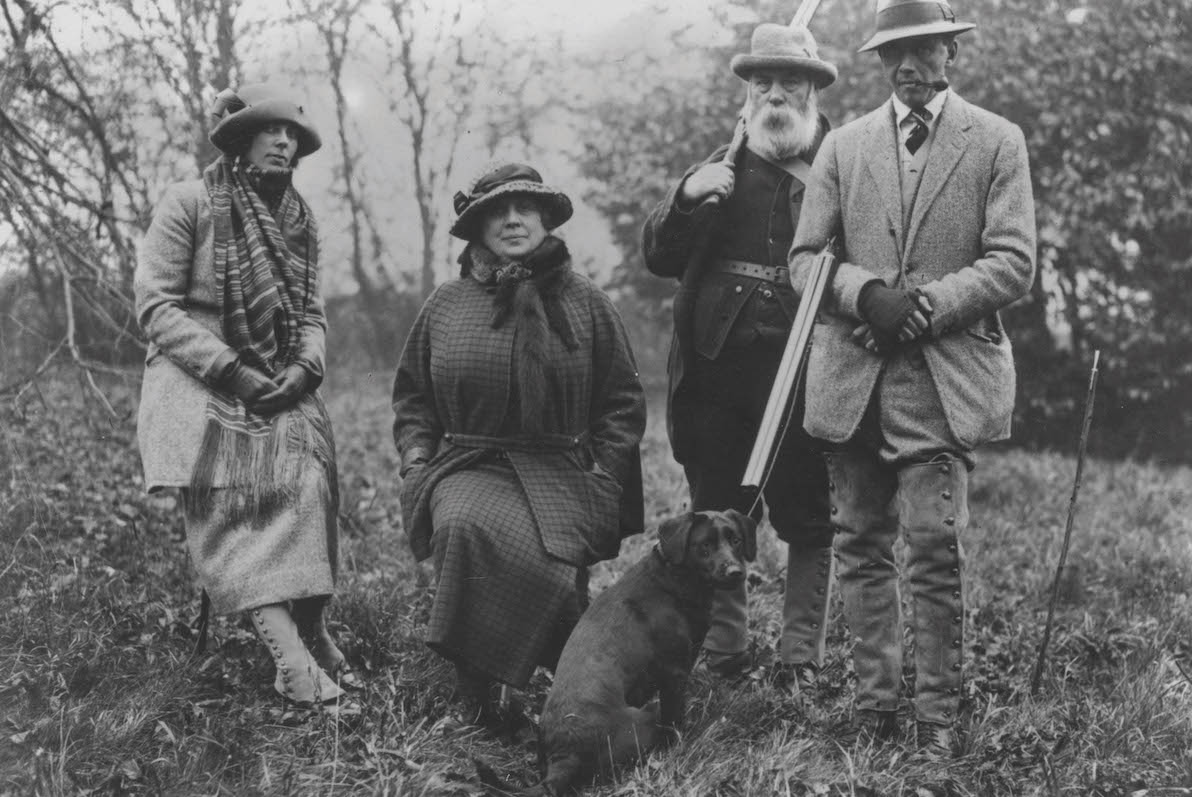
245	383
416	457
894	316
292	385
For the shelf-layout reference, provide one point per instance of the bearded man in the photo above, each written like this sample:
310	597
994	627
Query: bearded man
725	231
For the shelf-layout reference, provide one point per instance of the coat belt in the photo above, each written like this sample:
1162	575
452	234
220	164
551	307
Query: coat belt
779	274
542	442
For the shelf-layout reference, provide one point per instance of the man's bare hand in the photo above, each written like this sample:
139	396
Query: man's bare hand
714	179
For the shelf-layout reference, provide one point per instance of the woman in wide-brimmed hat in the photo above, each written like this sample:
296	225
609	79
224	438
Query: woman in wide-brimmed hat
227	291
518	417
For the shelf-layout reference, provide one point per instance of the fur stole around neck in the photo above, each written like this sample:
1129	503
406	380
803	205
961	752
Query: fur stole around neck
528	292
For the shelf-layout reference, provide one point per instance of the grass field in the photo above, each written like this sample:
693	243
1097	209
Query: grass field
101	691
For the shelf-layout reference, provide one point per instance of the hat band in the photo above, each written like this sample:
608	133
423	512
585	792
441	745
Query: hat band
905	15
495	179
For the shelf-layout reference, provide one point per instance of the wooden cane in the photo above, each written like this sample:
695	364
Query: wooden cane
1037	675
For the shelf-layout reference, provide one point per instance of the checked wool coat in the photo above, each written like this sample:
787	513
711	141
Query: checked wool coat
969	247
508	518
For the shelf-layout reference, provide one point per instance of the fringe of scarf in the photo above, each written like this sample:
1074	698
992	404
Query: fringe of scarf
528	293
265	266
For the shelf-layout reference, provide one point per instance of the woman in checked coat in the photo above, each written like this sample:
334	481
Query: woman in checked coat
518	418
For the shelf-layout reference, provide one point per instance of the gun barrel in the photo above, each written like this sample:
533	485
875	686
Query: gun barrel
788	369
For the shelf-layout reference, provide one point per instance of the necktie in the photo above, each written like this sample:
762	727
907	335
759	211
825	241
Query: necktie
919	117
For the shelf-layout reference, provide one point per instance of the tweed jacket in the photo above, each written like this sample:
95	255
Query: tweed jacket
454	396
180	313
680	244
969	247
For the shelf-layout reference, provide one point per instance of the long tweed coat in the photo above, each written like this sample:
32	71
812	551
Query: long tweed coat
454	384
969	246
177	306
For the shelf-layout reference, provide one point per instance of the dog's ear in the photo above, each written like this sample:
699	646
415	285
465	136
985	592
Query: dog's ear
748	528
673	534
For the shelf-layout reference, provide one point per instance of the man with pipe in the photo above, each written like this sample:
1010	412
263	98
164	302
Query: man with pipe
724	231
929	200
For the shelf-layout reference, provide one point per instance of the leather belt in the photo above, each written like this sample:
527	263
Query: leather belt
778	274
543	442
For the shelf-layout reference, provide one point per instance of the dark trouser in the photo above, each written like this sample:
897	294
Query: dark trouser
730	398
905	458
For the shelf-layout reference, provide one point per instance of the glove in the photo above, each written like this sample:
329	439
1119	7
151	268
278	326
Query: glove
414	458
292	385
894	315
245	382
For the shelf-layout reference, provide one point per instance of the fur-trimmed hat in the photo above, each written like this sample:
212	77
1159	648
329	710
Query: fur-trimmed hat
242	112
903	19
502	180
783	47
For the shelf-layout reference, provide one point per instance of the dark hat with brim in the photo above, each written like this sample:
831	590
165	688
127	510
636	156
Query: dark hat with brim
242	112
503	180
905	19
783	47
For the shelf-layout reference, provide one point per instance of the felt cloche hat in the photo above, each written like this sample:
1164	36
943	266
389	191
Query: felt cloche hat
502	180
240	113
783	47
903	19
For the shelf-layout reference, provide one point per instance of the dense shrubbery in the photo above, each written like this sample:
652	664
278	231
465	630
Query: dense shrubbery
1103	92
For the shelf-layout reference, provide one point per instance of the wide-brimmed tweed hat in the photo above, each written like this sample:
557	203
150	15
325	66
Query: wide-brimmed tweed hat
242	112
903	19
783	47
502	180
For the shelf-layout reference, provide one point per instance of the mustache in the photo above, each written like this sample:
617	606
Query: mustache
934	85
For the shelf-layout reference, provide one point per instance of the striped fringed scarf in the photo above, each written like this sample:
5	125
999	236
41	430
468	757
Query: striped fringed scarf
265	269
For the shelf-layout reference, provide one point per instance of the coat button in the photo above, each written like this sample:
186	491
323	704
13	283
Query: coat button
737	289
767	293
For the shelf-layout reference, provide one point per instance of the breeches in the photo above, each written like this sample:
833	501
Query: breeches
903	471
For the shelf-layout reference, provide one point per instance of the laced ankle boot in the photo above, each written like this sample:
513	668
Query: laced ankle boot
299	679
309	617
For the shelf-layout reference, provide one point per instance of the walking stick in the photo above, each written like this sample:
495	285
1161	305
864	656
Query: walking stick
1037	675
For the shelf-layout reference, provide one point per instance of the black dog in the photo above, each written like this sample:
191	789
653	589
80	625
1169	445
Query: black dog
640	637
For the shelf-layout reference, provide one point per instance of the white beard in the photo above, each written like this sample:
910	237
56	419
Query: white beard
784	132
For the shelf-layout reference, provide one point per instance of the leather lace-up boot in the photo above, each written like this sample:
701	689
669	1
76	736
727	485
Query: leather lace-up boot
299	677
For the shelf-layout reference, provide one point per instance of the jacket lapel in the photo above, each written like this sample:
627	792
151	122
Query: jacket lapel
881	155
951	139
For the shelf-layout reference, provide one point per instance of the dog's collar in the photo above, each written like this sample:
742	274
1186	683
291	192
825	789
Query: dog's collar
661	556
